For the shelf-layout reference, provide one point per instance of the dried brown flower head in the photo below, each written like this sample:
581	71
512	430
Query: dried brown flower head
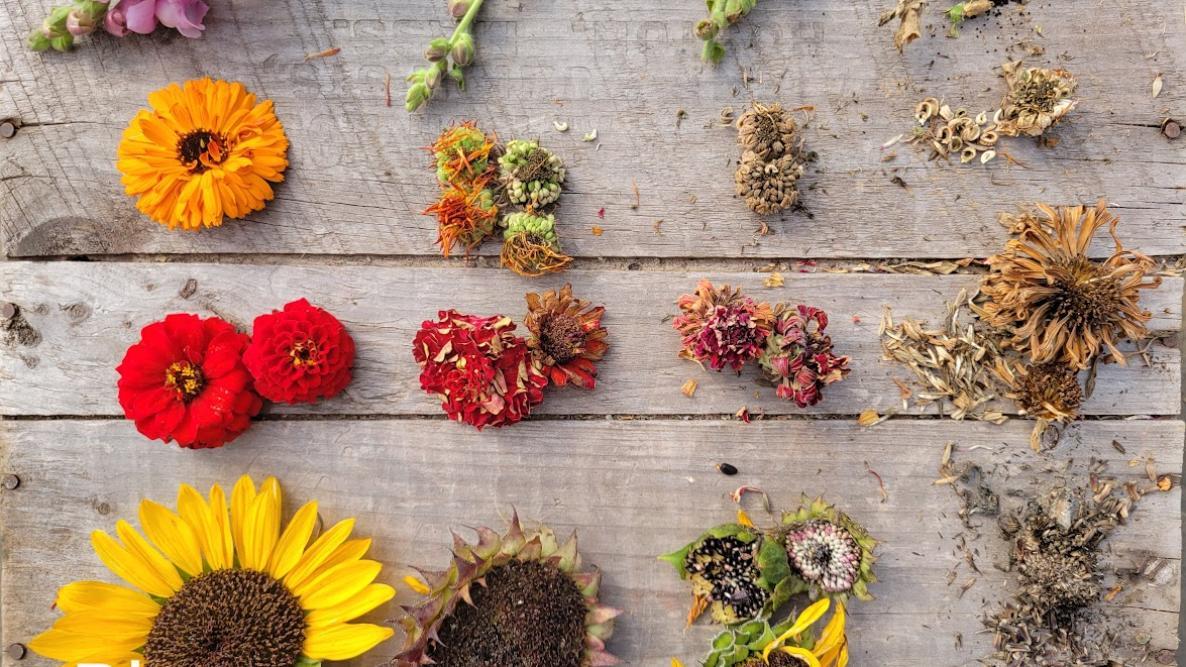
768	187
1057	302
566	336
768	131
1049	391
1037	99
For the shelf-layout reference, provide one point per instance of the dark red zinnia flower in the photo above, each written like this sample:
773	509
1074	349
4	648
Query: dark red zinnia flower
721	326
185	381
798	355
300	354
483	373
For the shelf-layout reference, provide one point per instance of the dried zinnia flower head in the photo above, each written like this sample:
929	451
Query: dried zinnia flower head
531	174
1048	391
734	571
185	381
466	215
1037	99
768	131
829	552
530	246
461	154
722	327
791	643
798	355
483	373
300	354
567	338
1058	303
768	186
516	598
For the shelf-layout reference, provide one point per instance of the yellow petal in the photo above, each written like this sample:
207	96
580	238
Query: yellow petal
416	585
369	599
135	543
676	663
241	498
218	507
833	635
292	543
342	642
173	536
196	513
352	550
71	647
743	519
316	554
260	532
809	616
102	596
337	584
802	654
107	626
128	567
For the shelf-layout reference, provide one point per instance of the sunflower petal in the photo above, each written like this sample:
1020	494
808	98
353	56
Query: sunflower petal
804	621
173	536
323	547
194	510
241	498
102	596
803	654
342	642
292	543
135	543
72	647
261	530
337	584
128	566
369	599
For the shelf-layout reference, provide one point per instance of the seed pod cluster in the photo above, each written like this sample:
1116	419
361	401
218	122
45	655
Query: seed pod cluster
771	159
956	132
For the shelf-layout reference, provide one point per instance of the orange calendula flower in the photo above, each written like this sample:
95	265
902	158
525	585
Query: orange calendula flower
204	151
465	215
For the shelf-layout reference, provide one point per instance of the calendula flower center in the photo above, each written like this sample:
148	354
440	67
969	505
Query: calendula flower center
561	337
304	353
201	150
825	554
186	379
228	618
724	570
529	614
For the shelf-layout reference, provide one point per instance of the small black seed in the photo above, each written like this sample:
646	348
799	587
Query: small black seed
727	469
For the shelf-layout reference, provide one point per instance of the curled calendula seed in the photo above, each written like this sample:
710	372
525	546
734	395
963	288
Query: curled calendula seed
989	138
926	110
967	155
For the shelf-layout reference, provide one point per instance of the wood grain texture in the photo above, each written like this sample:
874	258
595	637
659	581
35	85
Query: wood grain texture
357	181
86	314
407	485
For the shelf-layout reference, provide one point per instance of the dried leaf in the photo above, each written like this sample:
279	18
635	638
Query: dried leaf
869	418
689	388
775	279
597	231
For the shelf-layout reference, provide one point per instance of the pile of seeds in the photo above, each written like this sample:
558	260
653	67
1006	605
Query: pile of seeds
952	362
771	159
947	132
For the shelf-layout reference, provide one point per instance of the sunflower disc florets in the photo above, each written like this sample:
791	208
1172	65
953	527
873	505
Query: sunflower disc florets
735	573
829	553
532	175
530	246
1056	302
798	355
532	606
483	373
722	327
462	154
1037	99
567	338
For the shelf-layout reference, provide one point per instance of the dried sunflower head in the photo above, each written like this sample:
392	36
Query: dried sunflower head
768	132
461	154
1037	99
722	326
1049	391
768	187
533	605
531	174
1058	303
735	572
829	553
530	246
798	355
566	336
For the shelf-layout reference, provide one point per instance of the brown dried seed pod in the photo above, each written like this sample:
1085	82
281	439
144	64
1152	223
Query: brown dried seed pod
768	187
767	131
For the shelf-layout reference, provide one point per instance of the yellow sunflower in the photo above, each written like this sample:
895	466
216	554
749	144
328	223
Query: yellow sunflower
204	151
222	586
830	649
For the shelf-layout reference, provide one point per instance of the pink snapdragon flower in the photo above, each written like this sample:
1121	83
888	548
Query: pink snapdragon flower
141	16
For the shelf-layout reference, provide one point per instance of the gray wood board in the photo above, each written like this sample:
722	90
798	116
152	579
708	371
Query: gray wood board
84	315
409	481
358	179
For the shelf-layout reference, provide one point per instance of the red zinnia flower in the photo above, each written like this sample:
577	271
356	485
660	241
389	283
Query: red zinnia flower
299	354
484	374
185	381
721	326
798	355
567	338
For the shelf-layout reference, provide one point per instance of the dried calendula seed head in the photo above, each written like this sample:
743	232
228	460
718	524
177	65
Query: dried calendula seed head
768	187
767	131
1048	391
530	246
531	174
461	154
1037	99
1056	302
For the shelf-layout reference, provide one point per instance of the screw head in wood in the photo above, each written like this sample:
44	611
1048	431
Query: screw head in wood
1171	128
15	651
7	129
10	482
8	310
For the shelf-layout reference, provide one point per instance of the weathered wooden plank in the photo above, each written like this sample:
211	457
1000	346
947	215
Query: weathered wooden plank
407	481
85	314
357	181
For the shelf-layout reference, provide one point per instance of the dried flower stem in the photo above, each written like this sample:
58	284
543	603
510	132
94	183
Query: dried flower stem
447	56
721	14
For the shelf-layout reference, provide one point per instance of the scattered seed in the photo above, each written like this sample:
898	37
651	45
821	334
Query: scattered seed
590	136
727	469
333	51
560	127
1158	82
